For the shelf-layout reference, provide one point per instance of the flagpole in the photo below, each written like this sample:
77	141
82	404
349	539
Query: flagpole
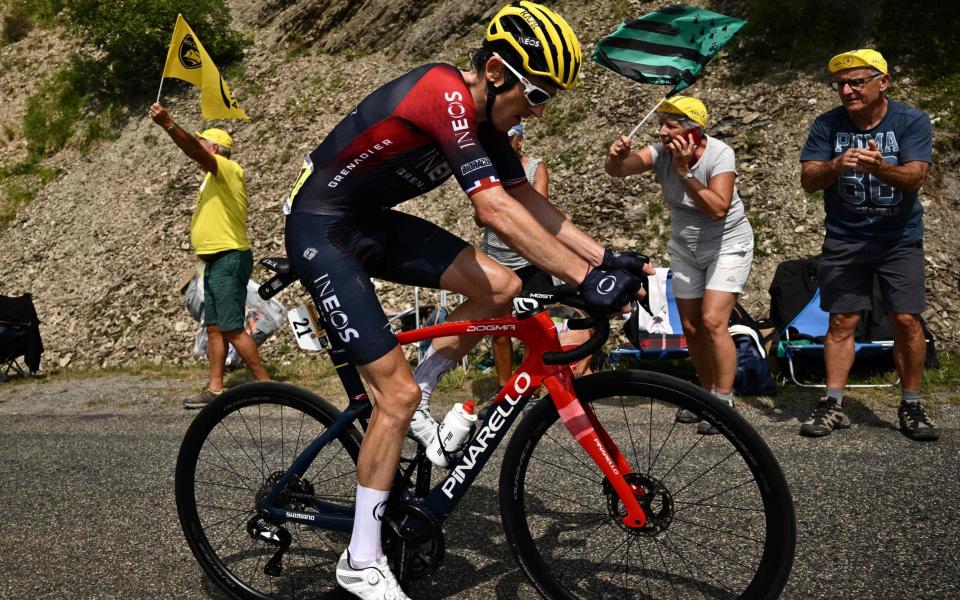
644	120
160	90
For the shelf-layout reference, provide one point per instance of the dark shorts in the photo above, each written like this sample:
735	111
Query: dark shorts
335	257
225	278
535	279
846	276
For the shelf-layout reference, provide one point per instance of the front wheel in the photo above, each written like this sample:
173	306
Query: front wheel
721	521
232	455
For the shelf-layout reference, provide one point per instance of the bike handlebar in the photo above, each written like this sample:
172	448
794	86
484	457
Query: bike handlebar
567	295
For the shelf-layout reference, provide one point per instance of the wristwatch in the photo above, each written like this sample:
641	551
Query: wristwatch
688	175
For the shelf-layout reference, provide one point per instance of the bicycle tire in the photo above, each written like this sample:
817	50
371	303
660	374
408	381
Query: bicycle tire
228	455
564	528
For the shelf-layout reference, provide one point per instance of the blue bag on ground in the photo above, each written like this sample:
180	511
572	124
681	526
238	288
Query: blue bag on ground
753	376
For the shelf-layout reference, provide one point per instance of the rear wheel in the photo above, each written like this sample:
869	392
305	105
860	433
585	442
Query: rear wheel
720	516
232	454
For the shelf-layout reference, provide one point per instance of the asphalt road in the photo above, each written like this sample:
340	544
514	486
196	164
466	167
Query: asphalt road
87	491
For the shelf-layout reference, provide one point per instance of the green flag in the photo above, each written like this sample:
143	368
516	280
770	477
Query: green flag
666	47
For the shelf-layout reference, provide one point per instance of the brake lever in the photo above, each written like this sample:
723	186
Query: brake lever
645	302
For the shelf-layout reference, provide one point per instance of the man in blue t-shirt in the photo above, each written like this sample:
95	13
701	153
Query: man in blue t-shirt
870	157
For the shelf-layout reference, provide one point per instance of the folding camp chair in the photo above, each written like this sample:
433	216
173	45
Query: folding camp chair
19	335
802	339
659	338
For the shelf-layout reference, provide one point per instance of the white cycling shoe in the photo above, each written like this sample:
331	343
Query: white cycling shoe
423	427
375	582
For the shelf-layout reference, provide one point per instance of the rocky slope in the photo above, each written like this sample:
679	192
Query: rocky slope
104	246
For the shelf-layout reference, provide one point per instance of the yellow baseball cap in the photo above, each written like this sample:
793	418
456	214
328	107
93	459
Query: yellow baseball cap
856	59
217	136
686	106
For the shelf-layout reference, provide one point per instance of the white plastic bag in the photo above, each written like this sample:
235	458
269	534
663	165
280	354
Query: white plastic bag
262	318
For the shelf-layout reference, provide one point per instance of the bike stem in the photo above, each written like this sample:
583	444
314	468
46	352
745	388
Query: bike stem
590	434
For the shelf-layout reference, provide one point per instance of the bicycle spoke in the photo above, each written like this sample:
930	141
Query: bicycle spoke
238	455
565	470
717	529
701	502
666	569
712	550
552	493
590	466
698	477
619	562
707	533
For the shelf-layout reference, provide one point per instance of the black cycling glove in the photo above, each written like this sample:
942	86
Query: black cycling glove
632	262
608	290
627	261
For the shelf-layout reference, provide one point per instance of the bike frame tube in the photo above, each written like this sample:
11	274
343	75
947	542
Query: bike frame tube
538	334
328	515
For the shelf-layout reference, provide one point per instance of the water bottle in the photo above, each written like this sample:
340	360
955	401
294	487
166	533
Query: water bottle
452	432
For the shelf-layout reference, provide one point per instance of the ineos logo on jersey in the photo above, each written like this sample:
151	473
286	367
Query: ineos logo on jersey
330	305
457	113
606	285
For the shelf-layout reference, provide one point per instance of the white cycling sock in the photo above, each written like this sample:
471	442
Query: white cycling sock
429	372
365	546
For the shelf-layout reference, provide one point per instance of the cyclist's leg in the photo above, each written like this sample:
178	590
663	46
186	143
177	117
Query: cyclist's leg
396	397
417	252
330	256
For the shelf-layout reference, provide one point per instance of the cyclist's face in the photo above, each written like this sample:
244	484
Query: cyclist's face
511	106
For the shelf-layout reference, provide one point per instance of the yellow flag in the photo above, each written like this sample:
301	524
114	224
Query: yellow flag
189	61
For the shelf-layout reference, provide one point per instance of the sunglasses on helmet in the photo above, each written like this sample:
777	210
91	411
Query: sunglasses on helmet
535	96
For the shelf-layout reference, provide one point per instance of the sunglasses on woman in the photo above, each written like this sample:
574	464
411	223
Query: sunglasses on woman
535	96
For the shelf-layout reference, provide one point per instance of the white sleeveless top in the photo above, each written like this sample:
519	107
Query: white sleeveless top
494	247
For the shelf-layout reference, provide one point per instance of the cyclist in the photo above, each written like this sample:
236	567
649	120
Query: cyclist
401	141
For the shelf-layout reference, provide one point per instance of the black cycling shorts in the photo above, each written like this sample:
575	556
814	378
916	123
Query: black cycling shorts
335	257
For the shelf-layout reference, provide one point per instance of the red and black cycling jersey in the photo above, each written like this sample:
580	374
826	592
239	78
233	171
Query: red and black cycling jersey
403	140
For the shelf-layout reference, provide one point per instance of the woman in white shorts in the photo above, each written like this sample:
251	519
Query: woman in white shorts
711	245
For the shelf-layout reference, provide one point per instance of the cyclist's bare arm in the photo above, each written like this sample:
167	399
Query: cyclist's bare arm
538	238
558	224
183	139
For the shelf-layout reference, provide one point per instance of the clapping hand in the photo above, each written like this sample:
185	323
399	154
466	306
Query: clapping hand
862	160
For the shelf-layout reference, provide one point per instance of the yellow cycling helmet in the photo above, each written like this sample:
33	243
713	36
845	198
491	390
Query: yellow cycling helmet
539	40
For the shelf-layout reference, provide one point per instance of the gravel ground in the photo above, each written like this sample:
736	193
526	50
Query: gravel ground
87	485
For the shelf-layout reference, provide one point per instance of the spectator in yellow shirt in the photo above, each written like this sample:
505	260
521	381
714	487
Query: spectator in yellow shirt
218	233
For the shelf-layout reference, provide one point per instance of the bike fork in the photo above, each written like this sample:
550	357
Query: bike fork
583	424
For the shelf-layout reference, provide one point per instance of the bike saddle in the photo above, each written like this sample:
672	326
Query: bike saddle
277	264
284	277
